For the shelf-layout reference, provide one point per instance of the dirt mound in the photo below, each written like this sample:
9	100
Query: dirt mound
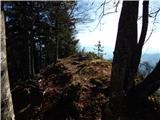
75	88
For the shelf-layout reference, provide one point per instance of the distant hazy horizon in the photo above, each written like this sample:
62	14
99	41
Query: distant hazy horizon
108	50
107	32
147	55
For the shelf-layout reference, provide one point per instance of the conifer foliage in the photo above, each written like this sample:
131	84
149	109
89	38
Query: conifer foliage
38	33
99	49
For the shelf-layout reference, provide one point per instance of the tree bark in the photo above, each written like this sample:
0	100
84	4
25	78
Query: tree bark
57	41
125	47
32	57
138	52
7	111
29	59
126	60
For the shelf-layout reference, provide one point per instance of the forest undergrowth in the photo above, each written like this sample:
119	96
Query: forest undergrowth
75	88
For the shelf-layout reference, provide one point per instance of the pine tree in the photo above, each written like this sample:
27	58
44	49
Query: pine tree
99	49
38	33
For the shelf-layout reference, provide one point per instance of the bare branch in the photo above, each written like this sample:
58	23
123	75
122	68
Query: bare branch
102	14
154	22
150	84
149	36
144	24
155	12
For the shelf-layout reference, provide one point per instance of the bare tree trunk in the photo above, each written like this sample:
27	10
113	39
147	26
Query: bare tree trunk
32	57
138	52
125	47
29	59
126	59
7	111
57	42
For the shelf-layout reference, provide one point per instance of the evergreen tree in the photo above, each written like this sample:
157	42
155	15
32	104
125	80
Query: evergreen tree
38	33
99	49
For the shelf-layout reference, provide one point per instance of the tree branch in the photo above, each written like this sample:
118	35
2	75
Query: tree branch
150	84
144	24
137	53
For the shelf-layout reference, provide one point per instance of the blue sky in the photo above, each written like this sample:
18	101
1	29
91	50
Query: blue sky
107	31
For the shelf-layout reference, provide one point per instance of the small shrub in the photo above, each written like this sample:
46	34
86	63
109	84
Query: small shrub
89	55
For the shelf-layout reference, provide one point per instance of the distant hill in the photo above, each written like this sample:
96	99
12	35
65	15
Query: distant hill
152	58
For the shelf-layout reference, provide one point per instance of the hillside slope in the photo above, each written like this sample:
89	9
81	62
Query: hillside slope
75	88
81	84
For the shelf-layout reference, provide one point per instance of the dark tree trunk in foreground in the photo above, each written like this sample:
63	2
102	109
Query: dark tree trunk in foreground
123	55
57	42
7	112
126	59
